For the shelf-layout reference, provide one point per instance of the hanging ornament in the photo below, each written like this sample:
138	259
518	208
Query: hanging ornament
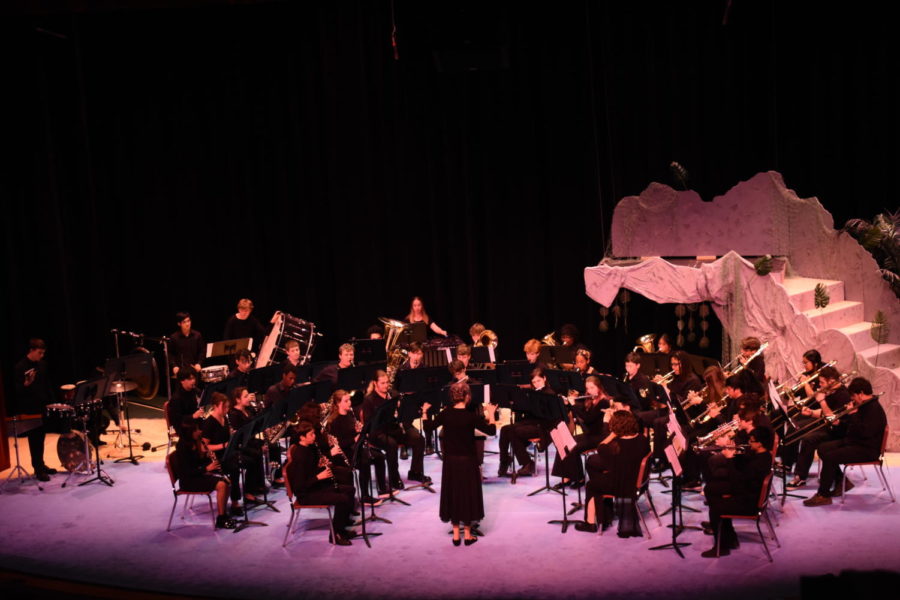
703	311
691	336
617	312
604	324
624	299
680	311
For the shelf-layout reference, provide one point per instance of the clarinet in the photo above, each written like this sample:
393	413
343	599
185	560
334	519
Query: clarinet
324	462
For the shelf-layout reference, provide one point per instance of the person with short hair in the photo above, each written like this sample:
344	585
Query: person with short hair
33	393
186	345
375	332
464	354
185	401
244	325
345	361
475	332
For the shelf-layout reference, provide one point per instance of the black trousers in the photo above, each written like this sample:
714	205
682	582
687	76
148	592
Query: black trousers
341	496
516	435
36	438
836	453
570	467
390	441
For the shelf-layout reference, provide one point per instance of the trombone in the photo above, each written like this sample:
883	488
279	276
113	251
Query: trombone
744	364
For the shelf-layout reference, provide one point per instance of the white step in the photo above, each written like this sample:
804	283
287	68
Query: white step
888	355
860	335
802	291
836	315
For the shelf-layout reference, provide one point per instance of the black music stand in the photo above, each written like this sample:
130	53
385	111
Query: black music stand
220	353
550	408
484	355
564	443
368	351
565	380
85	392
675	430
676	526
515	372
362	445
235	447
383	418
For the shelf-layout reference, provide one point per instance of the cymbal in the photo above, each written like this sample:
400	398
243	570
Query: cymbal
120	387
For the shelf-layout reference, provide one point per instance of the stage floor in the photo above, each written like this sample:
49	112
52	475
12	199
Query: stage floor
115	536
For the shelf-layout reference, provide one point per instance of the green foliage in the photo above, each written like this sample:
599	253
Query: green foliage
764	265
881	237
880	329
822	297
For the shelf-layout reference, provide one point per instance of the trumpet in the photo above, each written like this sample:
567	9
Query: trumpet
665	379
712	436
738	448
705	416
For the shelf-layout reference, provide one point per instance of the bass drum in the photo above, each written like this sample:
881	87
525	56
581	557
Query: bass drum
70	450
287	327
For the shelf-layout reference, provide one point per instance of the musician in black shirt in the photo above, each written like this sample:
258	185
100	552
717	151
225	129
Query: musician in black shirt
242	366
244	325
526	427
345	361
186	346
33	394
185	401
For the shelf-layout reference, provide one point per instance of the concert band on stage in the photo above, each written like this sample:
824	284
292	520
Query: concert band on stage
734	430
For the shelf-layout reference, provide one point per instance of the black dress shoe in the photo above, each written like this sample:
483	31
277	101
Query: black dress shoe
457	542
339	540
52	471
586	527
225	522
705	524
354	513
711	553
470	541
397	484
526	470
369	500
237	511
41	476
503	469
420	477
404	453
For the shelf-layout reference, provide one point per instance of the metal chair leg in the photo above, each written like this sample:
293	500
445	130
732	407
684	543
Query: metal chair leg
762	538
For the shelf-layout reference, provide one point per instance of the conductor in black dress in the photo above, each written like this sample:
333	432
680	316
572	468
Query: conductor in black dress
461	497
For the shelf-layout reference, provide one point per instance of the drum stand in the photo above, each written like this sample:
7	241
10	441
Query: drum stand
18	472
120	398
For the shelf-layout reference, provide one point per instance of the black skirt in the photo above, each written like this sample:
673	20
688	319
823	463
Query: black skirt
461	498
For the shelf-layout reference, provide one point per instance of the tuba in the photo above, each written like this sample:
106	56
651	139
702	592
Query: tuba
645	343
488	338
550	339
396	355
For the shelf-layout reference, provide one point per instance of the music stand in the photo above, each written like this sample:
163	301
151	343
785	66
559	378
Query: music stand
86	392
672	455
362	445
515	372
565	443
368	351
238	441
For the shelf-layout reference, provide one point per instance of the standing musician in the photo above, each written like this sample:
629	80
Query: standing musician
33	394
614	470
244	325
735	485
342	424
388	433
310	475
525	428
216	433
186	347
458	374
241	413
417	314
461	494
831	396
345	361
757	366
866	424
185	402
197	471
590	414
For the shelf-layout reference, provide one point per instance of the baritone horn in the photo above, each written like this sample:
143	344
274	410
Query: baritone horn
488	338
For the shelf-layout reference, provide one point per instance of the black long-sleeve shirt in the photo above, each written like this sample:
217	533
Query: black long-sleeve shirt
186	350
31	399
244	328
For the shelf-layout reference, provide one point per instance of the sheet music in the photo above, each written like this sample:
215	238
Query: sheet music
562	439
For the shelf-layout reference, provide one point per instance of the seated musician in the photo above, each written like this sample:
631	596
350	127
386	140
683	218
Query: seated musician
241	413
613	471
736	387
696	406
583	362
735	485
464	354
865	422
524	428
532	351
375	332
830	397
812	362
216	434
683	381
309	473
590	415
343	425
197	472
664	344
185	401
388	433
277	394
242	365
651	407
186	346
415	358
345	361
417	314
244	325
292	349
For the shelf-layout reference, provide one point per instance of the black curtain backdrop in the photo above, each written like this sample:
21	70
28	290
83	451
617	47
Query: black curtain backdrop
179	158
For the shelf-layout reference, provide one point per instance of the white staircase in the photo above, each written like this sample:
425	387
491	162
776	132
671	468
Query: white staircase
845	316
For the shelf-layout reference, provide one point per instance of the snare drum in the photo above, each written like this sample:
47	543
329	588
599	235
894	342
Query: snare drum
67	393
214	374
58	418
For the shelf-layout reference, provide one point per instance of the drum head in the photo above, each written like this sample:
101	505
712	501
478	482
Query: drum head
70	450
147	377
